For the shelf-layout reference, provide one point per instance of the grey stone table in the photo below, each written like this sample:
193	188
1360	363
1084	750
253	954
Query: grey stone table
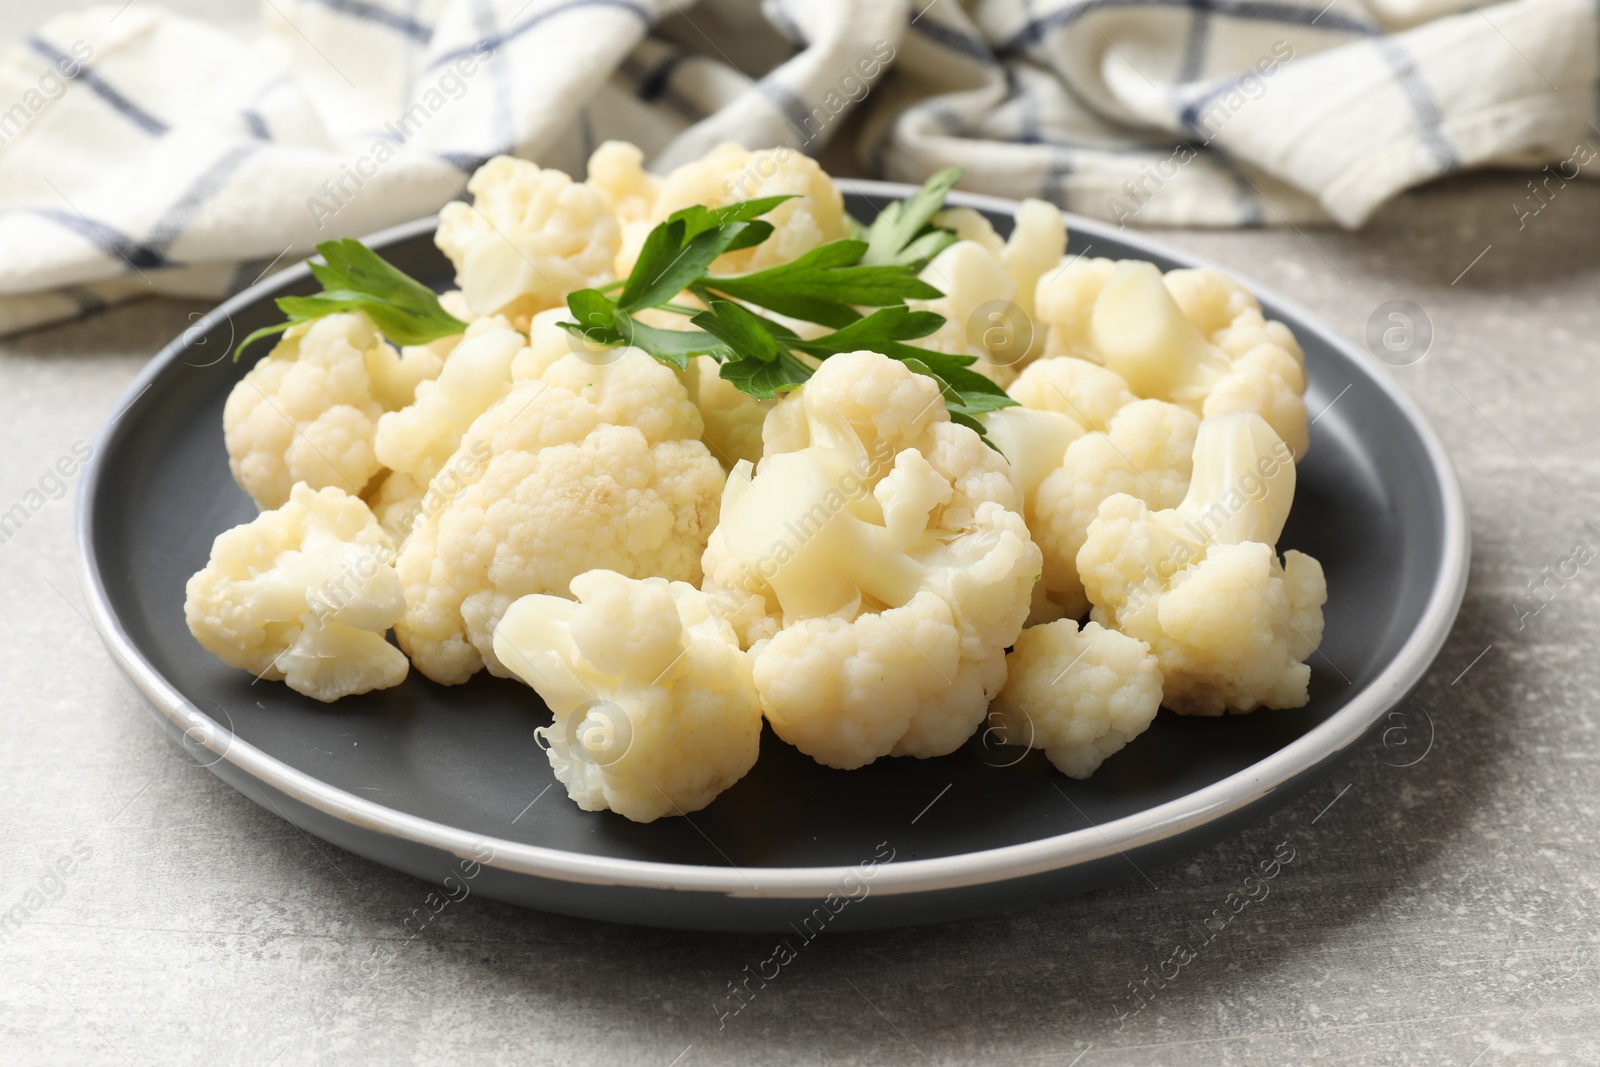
1438	910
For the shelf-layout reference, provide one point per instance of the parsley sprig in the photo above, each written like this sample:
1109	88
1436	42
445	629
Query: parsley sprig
355	278
876	269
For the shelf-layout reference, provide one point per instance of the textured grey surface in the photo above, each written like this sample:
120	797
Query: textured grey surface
1436	913
1431	914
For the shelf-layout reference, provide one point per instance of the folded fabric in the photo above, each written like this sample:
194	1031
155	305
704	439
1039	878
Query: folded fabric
142	151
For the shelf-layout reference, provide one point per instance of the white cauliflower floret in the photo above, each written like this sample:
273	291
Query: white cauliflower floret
970	225
589	466
1146	452
733	418
1063	305
989	288
1083	391
307	412
1079	695
655	709
730	173
616	169
888	561
970	277
1192	337
1202	584
1079	437
530	237
303	594
418	439
395	499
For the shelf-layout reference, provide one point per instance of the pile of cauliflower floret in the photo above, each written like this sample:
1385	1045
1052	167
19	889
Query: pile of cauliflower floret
670	563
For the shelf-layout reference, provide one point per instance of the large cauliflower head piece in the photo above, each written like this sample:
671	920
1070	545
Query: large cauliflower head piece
530	237
1192	337
308	411
879	569
729	173
1202	583
655	708
304	594
1080	695
587	467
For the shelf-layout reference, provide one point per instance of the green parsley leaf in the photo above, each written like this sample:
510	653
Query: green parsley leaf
894	235
744	332
355	278
875	268
821	285
765	381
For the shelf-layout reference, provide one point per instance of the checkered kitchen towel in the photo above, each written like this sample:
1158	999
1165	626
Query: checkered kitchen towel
142	151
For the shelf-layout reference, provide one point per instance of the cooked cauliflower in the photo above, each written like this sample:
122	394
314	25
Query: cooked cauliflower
530	237
880	571
1144	452
589	466
1201	583
1192	337
307	411
417	439
989	287
1063	305
616	169
655	709
1083	391
729	173
1079	695
1079	437
734	419
304	594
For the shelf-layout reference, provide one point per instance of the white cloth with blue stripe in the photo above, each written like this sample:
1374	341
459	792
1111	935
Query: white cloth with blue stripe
141	151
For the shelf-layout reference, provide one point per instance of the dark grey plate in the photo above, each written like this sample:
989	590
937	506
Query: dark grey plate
427	779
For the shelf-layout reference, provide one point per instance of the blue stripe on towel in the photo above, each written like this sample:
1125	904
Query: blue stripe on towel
172	223
495	41
1035	29
369	12
101	88
956	41
102	235
1423	104
794	109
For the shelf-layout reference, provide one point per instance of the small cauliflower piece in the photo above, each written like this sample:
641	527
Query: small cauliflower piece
971	277
879	571
733	418
989	287
1080	695
1063	304
530	237
1202	584
303	593
730	173
1145	451
308	410
1081	390
1192	337
1079	437
616	169
395	500
588	466
418	439
655	708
